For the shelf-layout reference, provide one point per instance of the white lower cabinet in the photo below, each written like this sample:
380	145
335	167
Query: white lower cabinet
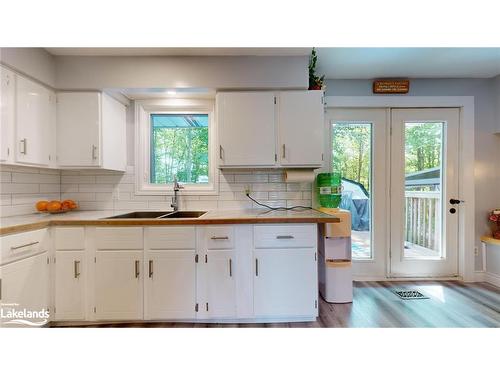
285	283
220	284
170	285
118	289
70	276
25	285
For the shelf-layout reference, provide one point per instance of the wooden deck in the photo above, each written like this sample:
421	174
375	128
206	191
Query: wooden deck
451	304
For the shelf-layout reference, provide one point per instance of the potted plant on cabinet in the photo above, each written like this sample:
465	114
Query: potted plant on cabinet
315	82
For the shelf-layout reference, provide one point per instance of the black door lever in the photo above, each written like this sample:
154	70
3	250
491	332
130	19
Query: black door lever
455	201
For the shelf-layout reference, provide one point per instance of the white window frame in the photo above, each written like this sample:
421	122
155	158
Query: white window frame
143	111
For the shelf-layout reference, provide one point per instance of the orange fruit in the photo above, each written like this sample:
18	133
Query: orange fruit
69	204
41	205
53	206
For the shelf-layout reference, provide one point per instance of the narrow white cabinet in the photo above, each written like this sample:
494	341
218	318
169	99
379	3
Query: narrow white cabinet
285	271
70	276
7	114
170	273
247	134
91	128
70	273
219	272
33	122
301	128
118	276
220	284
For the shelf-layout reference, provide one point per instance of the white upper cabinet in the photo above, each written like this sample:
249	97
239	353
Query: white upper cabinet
270	129
7	114
91	130
301	128
33	138
247	133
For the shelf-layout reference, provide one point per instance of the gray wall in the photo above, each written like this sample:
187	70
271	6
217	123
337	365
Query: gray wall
33	62
220	72
487	145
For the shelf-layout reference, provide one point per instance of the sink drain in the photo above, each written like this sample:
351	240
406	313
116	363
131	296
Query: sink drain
409	294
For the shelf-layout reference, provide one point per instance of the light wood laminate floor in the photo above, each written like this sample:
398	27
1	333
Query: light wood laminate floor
451	304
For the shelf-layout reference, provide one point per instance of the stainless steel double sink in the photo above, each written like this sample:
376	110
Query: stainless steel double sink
159	215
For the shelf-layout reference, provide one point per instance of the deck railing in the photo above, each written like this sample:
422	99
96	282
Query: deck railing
423	217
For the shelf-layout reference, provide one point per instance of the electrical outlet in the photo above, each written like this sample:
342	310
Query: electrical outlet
247	189
476	251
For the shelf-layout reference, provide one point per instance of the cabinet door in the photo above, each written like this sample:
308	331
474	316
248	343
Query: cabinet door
69	285
118	285
78	129
32	122
301	128
7	113
246	129
25	285
221	284
170	285
285	282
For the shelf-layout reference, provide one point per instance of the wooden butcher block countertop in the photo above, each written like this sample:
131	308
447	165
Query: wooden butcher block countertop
16	224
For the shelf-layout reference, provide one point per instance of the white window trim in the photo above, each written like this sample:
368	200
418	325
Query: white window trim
143	110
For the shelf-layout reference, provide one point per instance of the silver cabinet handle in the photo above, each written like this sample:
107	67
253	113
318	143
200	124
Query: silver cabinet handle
25	245
150	268
287	237
221	152
256	267
230	267
24	142
77	268
94	149
137	272
219	238
284	151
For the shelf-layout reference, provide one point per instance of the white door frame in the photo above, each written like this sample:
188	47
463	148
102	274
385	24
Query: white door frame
466	158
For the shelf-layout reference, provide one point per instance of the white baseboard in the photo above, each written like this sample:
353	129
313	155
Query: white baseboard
385	278
479	276
492	278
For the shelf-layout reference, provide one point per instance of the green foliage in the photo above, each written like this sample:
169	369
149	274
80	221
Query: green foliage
351	151
423	146
314	80
179	151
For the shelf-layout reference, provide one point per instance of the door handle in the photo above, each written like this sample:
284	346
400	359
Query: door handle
283	153
456	201
287	237
77	269
221	152
24	142
137	271
150	268
94	152
230	267
219	238
256	267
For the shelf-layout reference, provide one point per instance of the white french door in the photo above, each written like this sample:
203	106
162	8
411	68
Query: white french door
358	141
424	192
399	172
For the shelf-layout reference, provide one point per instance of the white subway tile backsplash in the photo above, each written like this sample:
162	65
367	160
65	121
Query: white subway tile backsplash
21	187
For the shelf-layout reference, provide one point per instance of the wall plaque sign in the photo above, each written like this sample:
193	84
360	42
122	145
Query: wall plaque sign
391	86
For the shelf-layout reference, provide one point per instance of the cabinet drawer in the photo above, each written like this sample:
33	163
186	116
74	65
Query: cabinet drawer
219	237
170	238
21	245
69	238
284	236
121	238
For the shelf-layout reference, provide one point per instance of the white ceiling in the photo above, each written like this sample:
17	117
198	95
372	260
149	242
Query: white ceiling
345	63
